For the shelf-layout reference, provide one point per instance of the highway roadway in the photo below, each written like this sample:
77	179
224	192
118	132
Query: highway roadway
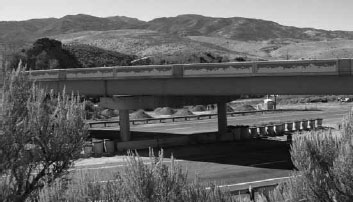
331	116
232	165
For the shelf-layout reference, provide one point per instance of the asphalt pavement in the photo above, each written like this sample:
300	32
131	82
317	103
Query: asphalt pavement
330	117
233	165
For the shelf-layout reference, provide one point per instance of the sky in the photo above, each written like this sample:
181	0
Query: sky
322	14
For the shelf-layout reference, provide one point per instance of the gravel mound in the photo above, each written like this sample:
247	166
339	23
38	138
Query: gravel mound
116	112
140	114
157	110
183	112
164	111
198	108
107	113
244	108
229	109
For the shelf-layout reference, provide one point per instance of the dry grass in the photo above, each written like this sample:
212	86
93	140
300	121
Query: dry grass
316	50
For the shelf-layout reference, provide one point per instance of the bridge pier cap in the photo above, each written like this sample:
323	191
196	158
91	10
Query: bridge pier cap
331	76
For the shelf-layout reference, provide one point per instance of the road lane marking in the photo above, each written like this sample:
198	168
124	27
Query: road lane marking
223	186
121	165
177	128
251	182
97	168
268	163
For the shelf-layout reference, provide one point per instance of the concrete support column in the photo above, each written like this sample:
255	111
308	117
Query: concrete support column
125	134
222	118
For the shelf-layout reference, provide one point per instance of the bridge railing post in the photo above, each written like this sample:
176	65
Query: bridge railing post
344	67
178	71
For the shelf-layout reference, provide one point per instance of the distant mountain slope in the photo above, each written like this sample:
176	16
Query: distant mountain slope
239	28
77	23
22	30
184	25
185	38
37	28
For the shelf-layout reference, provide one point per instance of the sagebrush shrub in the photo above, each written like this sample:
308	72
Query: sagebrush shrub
43	134
324	160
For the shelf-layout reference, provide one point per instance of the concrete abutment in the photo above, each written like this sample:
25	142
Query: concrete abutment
222	118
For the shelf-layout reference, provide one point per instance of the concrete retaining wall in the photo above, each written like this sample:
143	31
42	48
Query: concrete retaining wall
173	141
142	144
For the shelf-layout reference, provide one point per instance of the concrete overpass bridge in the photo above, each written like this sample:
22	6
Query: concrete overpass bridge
189	84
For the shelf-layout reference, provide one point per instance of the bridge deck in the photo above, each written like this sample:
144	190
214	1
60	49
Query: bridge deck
275	77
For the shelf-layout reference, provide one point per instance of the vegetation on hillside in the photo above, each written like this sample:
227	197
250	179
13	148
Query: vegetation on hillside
48	53
159	48
90	56
45	53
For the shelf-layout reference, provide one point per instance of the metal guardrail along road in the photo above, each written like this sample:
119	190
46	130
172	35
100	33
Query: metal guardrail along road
173	119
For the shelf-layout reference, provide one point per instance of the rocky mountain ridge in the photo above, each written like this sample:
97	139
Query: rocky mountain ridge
235	28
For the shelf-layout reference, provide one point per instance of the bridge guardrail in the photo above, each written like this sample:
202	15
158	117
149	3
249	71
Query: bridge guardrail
174	118
259	68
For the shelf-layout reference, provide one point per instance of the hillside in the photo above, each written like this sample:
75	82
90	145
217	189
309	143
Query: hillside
32	29
91	56
316	50
48	53
164	48
284	48
177	49
184	38
239	28
185	25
